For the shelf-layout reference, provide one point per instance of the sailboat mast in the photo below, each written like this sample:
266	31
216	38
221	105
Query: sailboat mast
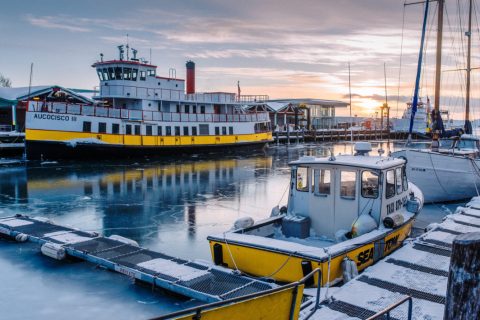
468	125
438	72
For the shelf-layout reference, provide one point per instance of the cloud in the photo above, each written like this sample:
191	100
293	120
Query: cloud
52	22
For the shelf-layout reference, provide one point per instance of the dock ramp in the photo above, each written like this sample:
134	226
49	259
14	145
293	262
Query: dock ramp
192	279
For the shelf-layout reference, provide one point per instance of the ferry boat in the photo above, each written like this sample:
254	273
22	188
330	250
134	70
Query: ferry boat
344	213
138	113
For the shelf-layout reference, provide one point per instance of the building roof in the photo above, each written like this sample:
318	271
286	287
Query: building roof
21	93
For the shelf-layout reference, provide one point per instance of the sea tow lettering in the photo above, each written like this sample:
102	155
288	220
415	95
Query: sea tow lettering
57	117
391	243
364	256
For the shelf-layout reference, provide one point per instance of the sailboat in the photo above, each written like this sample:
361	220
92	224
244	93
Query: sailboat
450	170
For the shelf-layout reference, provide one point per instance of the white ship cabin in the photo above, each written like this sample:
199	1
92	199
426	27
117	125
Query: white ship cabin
133	83
334	192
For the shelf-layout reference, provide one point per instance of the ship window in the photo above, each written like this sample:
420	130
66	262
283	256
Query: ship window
302	179
148	130
202	109
404	179
134	74
87	126
204	129
118	73
178	108
105	74
217	131
159	130
168	130
128	129
370	184
111	73
347	184
102	127
127	73
185	131
137	129
151	73
390	189
187	109
143	75
100	74
224	130
194	131
115	128
398	173
230	130
194	109
177	131
321	183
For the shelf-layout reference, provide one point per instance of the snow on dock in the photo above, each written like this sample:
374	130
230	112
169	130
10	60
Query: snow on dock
419	269
200	281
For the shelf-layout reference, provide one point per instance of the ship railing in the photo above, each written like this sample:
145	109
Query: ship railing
143	115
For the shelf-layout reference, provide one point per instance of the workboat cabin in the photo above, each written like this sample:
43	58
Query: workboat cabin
355	207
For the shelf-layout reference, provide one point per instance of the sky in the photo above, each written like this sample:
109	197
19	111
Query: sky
281	48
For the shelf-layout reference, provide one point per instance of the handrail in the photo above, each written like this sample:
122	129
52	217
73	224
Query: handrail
387	310
198	310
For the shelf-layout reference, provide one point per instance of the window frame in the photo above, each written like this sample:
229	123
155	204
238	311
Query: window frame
115	128
102	127
347	197
378	184
316	179
306	188
387	195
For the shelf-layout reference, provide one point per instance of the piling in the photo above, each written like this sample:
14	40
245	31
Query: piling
463	289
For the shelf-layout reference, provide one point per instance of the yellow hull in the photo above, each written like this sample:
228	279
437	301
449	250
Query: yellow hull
285	267
147	141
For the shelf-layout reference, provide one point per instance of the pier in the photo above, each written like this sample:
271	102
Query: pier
200	281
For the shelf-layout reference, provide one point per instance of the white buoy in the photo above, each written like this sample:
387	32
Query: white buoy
244	222
21	237
54	250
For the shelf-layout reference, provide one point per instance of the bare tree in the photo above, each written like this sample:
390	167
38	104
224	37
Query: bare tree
5	82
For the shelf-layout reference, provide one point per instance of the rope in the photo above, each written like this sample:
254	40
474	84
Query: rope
230	252
475	167
401	56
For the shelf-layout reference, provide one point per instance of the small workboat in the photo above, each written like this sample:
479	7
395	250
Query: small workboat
344	213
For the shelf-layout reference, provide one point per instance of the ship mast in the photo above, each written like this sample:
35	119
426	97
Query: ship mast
468	124
438	73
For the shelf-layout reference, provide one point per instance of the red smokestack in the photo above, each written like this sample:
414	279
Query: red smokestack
190	77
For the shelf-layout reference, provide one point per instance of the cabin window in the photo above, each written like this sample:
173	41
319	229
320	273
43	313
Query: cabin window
187	109
127	73
224	130
194	109
168	130
134	74
87	126
178	108
348	180
143	75
118	73
137	129
111	73
217	131
390	189
105	74
102	127
151	73
128	129
185	131
177	131
398	180
202	109
370	184
321	185
230	130
159	130
302	179
115	128
100	74
148	130
204	129
194	131
404	179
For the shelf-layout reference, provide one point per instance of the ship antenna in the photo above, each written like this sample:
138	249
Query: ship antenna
120	52
128	49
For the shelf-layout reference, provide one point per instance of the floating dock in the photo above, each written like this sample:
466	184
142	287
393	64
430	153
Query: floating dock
419	269
195	280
